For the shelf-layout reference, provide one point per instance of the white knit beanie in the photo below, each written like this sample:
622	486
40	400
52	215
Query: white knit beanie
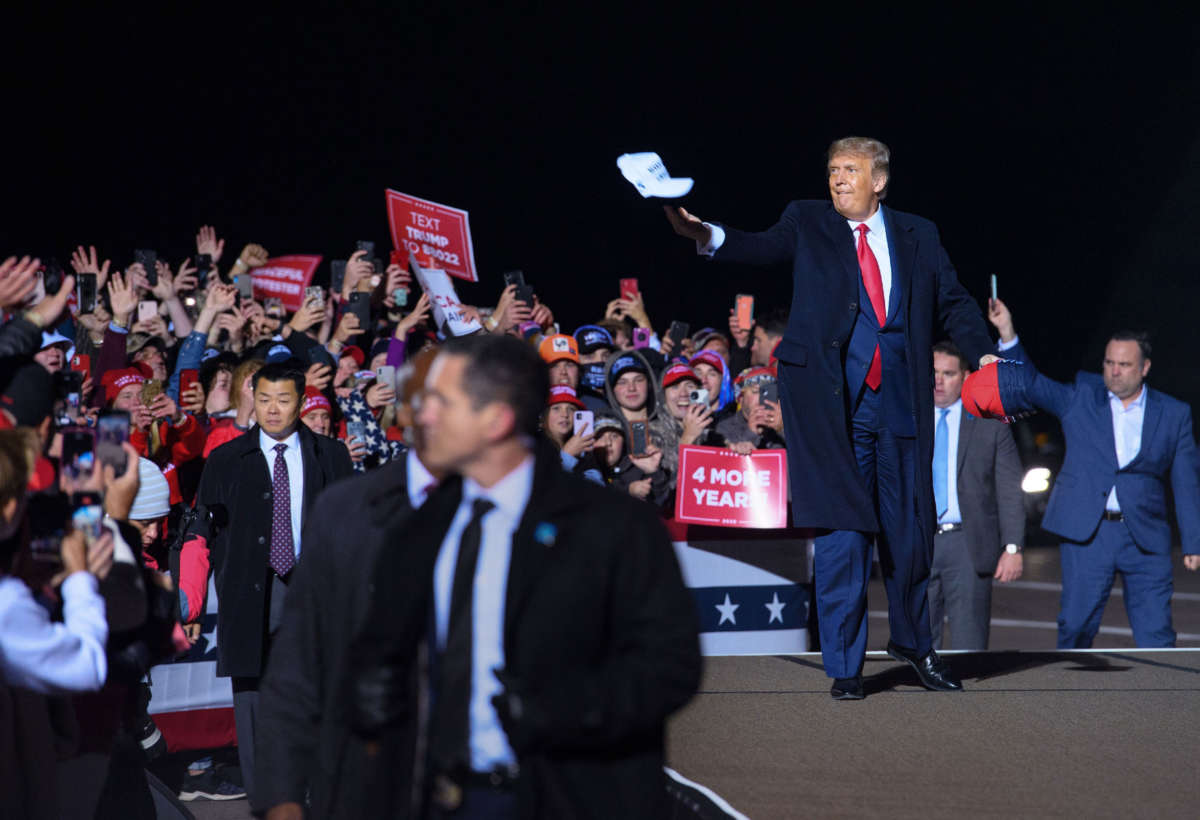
154	496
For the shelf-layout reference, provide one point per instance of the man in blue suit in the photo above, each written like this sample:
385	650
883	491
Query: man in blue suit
1125	443
855	372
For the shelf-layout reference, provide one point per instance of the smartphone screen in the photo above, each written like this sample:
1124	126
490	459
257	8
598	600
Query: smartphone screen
584	421
85	292
638	430
78	452
629	288
245	285
112	430
769	392
525	294
356	430
744	309
514	277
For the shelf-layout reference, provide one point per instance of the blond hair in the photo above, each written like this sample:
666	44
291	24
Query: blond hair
880	154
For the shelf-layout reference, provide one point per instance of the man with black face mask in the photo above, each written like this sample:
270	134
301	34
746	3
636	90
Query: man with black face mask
595	345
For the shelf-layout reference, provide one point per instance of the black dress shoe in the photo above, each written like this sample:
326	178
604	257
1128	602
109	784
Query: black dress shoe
847	688
932	670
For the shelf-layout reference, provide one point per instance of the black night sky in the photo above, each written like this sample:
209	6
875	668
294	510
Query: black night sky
1058	152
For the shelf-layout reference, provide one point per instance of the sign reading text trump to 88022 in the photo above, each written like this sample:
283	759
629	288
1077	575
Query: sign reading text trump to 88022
438	235
723	489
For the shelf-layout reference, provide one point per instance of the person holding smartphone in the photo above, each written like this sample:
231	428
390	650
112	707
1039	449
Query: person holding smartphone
558	423
758	423
36	653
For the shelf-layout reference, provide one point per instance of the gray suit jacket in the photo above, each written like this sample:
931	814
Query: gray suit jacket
989	489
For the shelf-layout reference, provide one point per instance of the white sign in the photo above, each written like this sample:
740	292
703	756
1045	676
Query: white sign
447	310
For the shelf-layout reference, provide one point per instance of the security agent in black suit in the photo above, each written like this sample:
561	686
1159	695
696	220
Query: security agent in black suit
561	634
981	514
251	526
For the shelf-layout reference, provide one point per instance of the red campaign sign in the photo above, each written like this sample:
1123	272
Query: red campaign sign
285	277
720	488
438	235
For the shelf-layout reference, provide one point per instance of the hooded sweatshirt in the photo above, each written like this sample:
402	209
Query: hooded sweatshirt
659	429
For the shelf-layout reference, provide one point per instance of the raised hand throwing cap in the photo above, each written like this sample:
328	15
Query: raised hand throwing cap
648	174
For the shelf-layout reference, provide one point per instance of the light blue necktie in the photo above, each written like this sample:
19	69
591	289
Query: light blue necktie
941	462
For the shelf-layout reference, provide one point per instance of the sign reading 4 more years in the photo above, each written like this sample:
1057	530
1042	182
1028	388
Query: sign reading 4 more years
724	489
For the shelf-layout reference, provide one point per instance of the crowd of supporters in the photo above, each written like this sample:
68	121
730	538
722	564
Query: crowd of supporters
169	353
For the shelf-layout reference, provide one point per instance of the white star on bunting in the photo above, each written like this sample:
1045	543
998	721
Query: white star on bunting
727	609
775	608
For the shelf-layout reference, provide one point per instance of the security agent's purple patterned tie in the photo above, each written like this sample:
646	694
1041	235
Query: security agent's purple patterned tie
283	554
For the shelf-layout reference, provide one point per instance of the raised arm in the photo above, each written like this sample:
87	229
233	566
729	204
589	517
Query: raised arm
775	245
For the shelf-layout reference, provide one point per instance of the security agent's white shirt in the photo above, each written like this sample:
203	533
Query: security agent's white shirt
488	744
420	481
295	466
1127	433
876	240
953	422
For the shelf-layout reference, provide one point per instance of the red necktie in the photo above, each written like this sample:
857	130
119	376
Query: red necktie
873	282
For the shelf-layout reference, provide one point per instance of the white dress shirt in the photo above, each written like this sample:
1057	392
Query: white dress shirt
420	481
47	657
876	240
489	745
1127	432
952	515
294	460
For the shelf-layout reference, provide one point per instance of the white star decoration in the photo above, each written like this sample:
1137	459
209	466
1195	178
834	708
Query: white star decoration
775	608
210	640
727	609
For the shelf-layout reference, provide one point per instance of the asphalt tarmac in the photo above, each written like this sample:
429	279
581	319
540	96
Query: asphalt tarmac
1037	733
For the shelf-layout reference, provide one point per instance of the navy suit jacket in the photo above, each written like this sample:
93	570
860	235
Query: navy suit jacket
1168	454
827	487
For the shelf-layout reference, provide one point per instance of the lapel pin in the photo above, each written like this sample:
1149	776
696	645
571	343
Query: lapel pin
545	534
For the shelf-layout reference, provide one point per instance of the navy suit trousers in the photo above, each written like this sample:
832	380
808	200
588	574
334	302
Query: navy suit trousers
1088	571
842	559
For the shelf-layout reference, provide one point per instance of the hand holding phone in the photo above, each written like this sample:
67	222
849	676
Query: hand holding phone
149	262
769	392
359	304
629	289
147	310
638	435
584	423
85	292
743	307
112	431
